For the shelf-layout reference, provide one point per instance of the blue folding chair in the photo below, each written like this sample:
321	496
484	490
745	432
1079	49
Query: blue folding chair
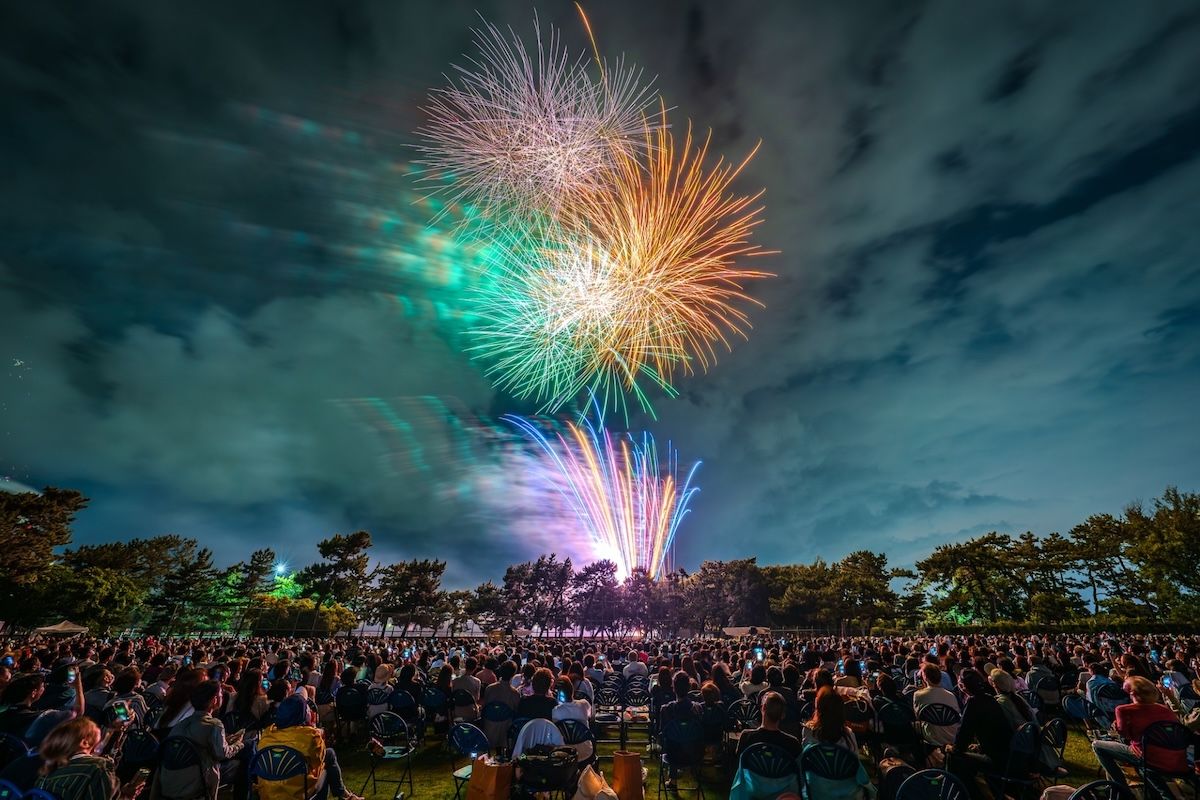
514	730
139	749
40	794
391	731
932	784
1073	707
828	770
279	763
467	740
682	743
1022	766
9	792
11	748
769	761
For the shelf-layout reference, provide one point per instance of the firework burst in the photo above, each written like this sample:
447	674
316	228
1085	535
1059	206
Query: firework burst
629	504
521	133
637	280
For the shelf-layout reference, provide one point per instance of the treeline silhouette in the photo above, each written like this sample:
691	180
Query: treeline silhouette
1135	569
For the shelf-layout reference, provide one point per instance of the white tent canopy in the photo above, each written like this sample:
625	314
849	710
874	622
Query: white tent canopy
64	628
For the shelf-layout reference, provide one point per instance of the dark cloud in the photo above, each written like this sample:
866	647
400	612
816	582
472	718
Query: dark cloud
232	321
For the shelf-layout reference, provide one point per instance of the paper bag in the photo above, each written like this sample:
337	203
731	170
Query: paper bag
627	775
489	781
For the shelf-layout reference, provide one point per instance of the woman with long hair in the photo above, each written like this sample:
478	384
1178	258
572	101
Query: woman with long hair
251	700
828	723
72	768
177	704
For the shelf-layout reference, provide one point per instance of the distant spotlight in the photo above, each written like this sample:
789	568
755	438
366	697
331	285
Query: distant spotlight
280	569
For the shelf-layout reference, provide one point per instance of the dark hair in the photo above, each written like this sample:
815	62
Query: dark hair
972	682
506	671
541	681
22	689
202	696
249	688
682	684
127	681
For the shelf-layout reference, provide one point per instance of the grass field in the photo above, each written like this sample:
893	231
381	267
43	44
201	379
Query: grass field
432	768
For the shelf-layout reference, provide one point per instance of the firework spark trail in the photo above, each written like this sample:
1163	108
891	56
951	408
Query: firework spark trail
519	135
629	507
636	282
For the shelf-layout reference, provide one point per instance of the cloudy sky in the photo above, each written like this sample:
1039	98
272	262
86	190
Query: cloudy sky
222	314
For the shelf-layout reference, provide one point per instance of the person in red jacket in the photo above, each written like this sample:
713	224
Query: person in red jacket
1132	719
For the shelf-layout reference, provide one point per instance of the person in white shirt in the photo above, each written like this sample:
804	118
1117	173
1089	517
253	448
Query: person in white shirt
568	708
634	667
933	694
165	676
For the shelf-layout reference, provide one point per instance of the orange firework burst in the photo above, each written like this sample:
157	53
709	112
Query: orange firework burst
666	236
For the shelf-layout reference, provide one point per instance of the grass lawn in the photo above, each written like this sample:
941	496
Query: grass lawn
432	781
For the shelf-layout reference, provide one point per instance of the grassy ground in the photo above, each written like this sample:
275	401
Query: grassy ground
432	781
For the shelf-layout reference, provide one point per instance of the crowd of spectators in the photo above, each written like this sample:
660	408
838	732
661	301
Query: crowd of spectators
77	707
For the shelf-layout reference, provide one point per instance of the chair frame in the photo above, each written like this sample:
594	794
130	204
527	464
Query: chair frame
392	752
256	773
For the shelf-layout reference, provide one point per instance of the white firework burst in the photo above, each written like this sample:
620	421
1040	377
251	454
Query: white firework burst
522	133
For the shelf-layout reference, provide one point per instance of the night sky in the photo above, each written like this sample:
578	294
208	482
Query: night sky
222	315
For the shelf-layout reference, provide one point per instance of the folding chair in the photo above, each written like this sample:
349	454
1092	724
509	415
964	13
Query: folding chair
932	784
769	762
390	730
279	763
608	717
1020	770
465	739
9	792
581	738
1102	790
1169	737
682	744
836	767
11	748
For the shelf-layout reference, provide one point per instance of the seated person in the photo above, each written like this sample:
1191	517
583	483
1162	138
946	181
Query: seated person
932	693
568	707
773	709
295	728
467	682
1132	720
682	707
538	704
982	740
828	723
73	769
207	733
20	697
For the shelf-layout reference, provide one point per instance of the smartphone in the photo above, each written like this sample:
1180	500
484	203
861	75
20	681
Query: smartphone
7	661
121	711
71	675
408	652
601	656
1166	681
933	649
266	685
749	665
562	696
862	666
758	652
187	661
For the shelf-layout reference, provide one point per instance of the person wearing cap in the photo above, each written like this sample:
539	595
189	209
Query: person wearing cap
295	728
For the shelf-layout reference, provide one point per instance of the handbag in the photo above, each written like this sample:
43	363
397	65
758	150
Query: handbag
490	780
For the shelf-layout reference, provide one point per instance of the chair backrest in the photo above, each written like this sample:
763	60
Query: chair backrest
637	695
1111	694
1102	790
140	747
434	700
608	697
514	730
745	713
1054	734
858	711
233	721
768	760
402	702
278	763
9	791
11	748
1169	736
682	739
939	714
575	732
39	794
389	725
467	739
180	752
496	711
351	702
379	695
462	698
1073	706
829	761
1032	699
932	784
